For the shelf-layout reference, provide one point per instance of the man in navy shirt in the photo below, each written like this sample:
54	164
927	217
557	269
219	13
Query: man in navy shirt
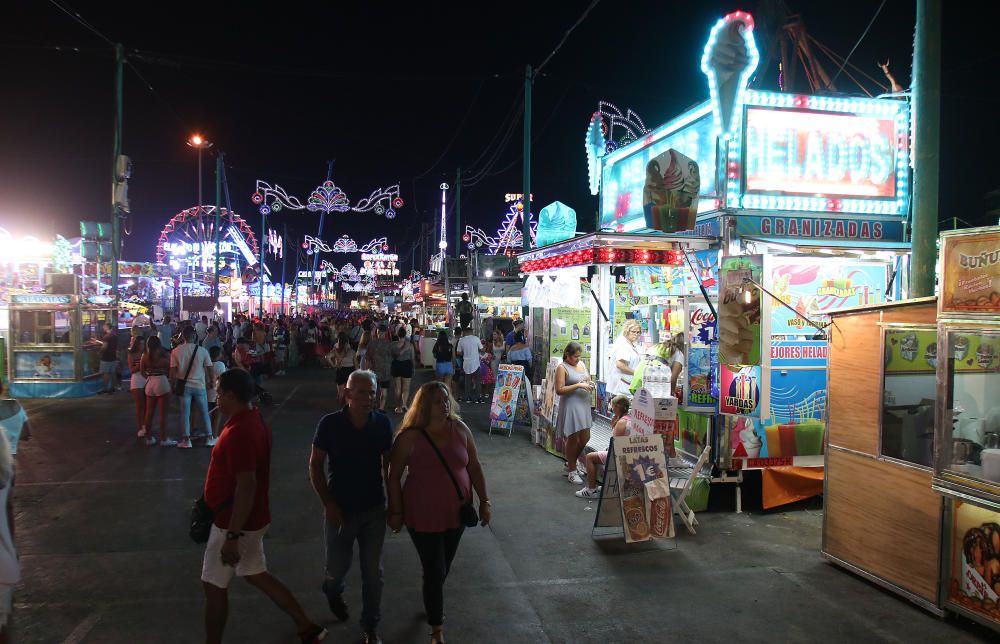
355	441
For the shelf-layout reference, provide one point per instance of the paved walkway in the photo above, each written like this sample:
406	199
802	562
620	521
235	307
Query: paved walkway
106	558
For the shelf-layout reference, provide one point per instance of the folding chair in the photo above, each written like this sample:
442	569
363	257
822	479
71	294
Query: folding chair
681	481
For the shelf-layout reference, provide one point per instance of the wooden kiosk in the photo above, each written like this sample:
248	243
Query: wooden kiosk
882	519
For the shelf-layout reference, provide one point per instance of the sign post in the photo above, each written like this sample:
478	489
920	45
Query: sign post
511	401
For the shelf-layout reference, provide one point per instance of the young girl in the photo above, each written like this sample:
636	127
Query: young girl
444	355
154	366
620	427
137	386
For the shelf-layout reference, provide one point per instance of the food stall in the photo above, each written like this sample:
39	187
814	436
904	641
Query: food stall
814	188
967	454
48	353
881	518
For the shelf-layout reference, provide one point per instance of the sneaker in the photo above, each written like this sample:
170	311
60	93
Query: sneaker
210	442
313	634
280	373
169	442
338	607
397	410
196	435
185	444
370	637
151	441
574	478
141	433
588	493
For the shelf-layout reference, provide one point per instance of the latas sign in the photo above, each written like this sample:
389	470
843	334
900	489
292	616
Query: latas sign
820	153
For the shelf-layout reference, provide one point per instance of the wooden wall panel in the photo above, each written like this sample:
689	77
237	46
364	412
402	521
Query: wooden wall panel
853	398
884	519
916	314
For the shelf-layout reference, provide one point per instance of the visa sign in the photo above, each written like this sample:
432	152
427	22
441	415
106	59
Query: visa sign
820	153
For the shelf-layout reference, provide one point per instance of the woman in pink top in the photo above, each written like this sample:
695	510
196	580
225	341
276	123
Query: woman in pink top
429	503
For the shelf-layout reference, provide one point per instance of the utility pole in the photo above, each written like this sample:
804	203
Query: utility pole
260	260
319	235
526	199
116	232
458	212
284	263
927	139
218	219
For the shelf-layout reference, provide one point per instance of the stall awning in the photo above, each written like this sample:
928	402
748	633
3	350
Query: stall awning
843	244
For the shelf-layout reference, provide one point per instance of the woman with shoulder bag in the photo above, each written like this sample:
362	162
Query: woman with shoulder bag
439	454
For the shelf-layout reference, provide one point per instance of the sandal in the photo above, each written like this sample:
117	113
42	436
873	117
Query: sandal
437	636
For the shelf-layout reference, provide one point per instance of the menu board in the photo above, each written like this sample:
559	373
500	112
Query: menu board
510	401
913	351
974	575
970	263
570	325
624	301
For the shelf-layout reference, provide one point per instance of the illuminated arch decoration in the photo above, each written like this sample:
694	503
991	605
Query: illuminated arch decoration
192	232
327	198
509	236
344	244
630	126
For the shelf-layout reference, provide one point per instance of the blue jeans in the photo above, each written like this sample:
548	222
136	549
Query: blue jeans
200	397
368	529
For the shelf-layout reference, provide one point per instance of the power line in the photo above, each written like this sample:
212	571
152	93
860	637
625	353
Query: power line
569	31
75	15
867	29
458	131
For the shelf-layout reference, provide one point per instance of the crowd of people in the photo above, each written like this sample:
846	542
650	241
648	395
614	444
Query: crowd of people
170	359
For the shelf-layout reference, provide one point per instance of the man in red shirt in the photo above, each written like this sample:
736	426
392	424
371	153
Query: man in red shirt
236	486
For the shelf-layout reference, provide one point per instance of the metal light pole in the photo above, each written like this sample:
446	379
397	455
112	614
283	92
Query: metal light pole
218	220
199	142
526	199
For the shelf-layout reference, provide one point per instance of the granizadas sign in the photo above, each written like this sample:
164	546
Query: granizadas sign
820	227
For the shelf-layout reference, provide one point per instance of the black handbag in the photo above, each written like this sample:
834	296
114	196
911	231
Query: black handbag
202	516
181	383
467	514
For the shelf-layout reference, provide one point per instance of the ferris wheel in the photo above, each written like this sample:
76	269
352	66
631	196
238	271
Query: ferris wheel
189	236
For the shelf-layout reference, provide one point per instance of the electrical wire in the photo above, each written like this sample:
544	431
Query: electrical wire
867	29
566	36
497	153
458	131
538	135
75	15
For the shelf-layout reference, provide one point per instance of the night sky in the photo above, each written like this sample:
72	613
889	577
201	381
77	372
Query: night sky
403	94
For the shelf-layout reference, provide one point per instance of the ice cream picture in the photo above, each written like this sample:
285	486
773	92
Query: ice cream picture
930	355
751	441
961	347
985	356
908	347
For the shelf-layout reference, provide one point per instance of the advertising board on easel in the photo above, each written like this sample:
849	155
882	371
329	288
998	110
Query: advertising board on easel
511	402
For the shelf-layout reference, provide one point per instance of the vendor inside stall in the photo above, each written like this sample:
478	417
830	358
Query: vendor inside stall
626	355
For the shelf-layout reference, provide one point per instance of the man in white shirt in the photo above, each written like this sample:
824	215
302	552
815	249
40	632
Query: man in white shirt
191	363
469	348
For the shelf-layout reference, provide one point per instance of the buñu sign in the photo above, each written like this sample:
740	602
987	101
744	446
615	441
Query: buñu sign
817	153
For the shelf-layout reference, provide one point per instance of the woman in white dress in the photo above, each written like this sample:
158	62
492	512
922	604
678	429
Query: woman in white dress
625	357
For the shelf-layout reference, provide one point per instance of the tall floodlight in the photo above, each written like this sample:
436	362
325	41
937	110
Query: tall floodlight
443	244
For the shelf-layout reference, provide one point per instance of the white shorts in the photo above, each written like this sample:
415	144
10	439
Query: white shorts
212	395
6	603
252	560
138	381
157	386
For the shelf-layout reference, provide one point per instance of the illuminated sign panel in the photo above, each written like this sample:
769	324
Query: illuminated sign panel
815	153
624	170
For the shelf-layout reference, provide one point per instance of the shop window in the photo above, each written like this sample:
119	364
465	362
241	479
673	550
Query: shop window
909	390
44	327
92	327
971	445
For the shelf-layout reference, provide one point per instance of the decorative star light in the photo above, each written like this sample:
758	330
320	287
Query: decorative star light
729	59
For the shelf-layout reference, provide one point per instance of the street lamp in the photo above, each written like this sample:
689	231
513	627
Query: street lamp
199	142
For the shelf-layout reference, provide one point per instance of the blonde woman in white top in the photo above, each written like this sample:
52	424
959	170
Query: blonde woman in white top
625	357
